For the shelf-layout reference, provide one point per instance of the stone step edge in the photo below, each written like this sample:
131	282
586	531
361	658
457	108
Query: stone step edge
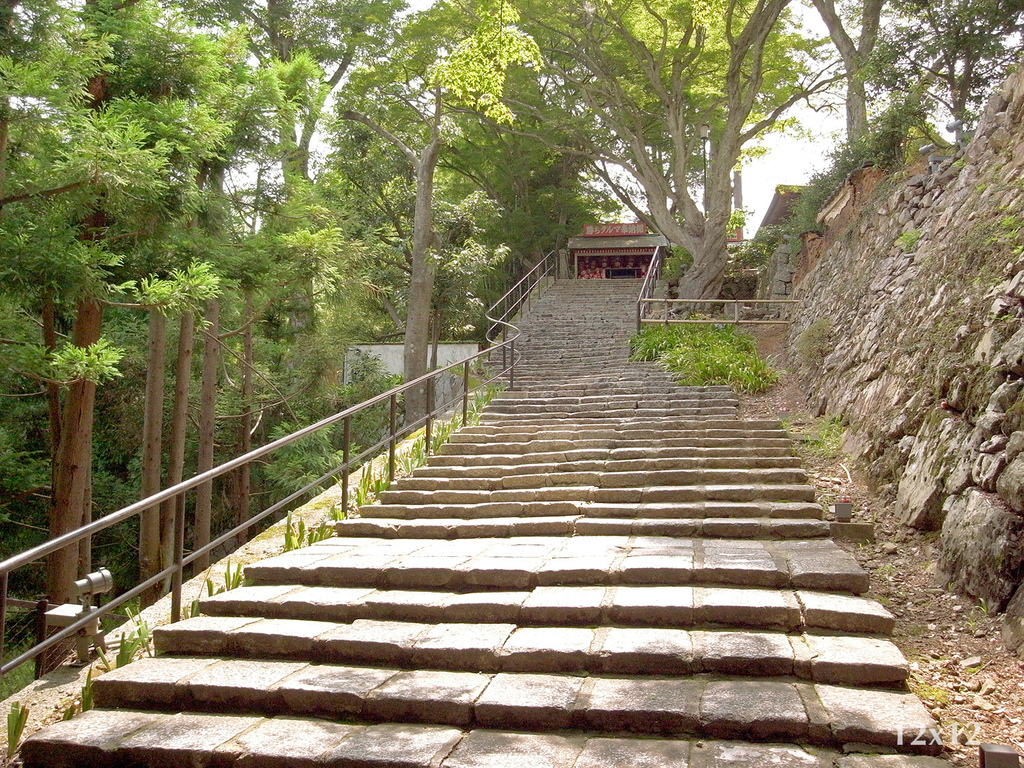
674	607
805	712
505	647
382	526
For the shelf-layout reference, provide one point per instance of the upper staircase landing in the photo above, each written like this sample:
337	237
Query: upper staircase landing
609	571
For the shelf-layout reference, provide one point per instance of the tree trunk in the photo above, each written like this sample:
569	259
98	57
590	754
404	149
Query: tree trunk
152	445
244	474
171	508
49	318
73	460
421	283
207	434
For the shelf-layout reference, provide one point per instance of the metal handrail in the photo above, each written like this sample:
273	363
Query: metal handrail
736	304
175	571
649	285
523	291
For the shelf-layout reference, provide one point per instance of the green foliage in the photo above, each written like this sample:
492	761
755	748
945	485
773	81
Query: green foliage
907	240
823	438
815	342
134	641
704	354
297	536
16	720
886	146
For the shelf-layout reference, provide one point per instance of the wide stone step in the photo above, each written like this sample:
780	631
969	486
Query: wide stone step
640	453
635	431
489	563
674	607
681	462
686	707
469	445
528	513
613	495
567	525
505	647
599	479
614	415
241	741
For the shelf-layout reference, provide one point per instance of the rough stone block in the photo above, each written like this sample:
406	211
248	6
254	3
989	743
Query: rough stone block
642	705
147	683
734	754
88	739
563	605
428	696
461	646
635	753
395	746
659	606
646	651
201	635
332	691
845	613
889	718
496	749
381	642
744	653
727	710
855	660
187	739
1013	623
528	701
547	649
746	607
241	684
982	546
484	606
290	742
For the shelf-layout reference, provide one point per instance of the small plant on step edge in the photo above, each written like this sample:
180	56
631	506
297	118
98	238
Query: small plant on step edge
16	720
295	537
138	638
86	703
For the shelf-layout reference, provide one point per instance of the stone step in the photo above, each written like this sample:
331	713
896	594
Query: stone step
659	512
541	407
680	462
674	607
442	481
478	444
495	563
640	453
505	647
567	525
612	495
630	429
694	707
614	415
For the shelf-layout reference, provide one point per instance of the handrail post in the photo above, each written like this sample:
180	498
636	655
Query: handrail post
179	556
3	615
512	368
346	442
504	348
428	426
465	393
392	422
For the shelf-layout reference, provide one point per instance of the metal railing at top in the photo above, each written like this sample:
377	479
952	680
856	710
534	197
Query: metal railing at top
504	310
499	315
735	317
649	285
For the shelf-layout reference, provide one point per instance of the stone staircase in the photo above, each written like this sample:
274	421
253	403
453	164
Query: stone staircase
610	570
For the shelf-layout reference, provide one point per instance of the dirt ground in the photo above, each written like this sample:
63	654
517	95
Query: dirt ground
960	668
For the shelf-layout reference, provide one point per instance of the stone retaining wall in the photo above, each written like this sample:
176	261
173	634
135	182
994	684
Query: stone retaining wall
910	328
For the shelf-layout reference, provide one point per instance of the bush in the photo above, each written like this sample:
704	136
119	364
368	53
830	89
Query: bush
706	354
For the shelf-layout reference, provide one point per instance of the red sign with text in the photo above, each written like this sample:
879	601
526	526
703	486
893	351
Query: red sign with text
614	230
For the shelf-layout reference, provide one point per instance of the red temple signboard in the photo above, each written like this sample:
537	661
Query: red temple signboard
614	230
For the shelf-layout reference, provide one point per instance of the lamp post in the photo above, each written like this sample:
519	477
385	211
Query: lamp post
705	138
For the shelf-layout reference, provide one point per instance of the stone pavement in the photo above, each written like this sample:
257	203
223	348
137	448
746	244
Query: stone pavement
610	570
